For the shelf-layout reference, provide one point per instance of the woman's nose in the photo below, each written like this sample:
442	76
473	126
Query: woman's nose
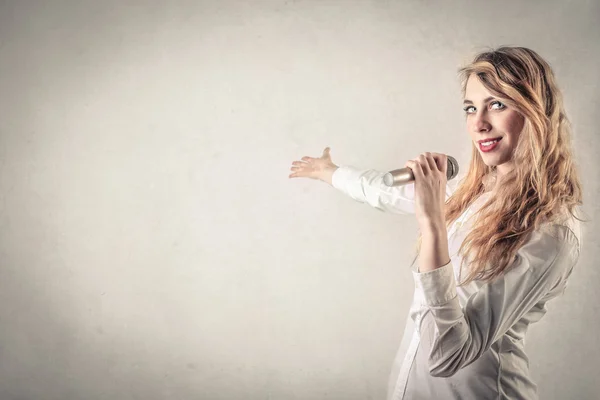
481	122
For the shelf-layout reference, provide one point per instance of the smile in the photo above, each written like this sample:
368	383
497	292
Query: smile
489	146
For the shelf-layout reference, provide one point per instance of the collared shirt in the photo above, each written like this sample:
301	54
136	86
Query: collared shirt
467	342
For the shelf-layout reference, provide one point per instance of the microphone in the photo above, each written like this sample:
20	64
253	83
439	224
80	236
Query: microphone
403	176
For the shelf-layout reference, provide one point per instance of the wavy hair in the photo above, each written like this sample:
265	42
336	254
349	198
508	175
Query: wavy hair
544	182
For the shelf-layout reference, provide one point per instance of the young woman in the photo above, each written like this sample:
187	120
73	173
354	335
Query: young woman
494	250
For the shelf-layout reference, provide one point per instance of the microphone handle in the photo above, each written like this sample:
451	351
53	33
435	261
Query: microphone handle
403	176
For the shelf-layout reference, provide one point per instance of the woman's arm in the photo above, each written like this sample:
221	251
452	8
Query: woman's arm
366	186
434	247
456	336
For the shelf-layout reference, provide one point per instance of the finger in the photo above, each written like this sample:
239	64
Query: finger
442	162
431	161
422	159
415	168
299	165
297	172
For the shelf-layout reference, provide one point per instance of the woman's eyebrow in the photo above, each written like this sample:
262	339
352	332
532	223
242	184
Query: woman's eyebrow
485	100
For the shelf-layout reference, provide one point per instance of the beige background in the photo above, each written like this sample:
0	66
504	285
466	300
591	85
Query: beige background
151	243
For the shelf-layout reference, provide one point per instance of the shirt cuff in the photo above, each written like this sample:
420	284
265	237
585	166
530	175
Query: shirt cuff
344	174
437	287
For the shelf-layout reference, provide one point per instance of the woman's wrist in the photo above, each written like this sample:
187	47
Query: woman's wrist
327	174
433	226
434	249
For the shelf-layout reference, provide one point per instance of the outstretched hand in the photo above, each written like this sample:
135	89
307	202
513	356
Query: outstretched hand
314	168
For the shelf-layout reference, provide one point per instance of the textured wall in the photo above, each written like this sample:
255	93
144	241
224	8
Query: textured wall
151	243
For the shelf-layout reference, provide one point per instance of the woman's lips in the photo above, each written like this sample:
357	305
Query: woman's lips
491	147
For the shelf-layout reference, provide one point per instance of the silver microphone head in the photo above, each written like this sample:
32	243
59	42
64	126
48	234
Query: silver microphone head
452	167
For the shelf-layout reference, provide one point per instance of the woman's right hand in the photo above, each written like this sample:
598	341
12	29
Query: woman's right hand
315	168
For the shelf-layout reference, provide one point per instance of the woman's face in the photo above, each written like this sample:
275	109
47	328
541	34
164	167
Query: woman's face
489	118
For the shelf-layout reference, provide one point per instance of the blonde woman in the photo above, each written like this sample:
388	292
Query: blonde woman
492	251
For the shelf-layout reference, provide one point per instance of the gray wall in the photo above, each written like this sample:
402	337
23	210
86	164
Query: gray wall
151	243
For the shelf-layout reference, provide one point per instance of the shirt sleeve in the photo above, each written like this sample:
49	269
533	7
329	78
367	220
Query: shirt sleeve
367	186
457	335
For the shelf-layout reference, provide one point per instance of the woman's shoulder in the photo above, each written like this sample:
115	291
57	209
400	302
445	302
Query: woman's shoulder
565	227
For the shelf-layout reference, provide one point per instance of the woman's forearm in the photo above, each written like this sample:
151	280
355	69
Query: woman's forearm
434	247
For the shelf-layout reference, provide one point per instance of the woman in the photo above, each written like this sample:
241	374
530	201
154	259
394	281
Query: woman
509	229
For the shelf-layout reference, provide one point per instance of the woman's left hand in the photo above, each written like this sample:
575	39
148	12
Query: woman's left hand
429	170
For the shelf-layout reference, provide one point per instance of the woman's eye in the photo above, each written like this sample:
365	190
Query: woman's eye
501	106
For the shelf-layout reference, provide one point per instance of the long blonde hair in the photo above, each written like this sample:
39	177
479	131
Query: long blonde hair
544	181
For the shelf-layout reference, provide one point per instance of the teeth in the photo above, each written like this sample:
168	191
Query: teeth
488	143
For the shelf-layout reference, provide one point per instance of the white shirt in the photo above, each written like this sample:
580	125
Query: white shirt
467	342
